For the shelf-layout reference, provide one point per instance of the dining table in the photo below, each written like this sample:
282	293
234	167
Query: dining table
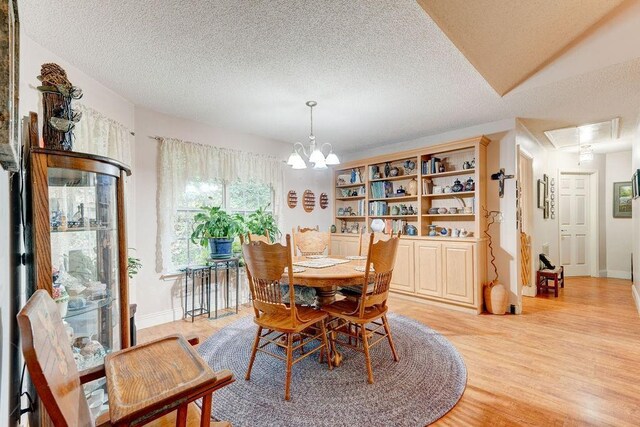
348	271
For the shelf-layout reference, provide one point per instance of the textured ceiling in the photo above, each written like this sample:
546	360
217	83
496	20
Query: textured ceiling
529	33
381	71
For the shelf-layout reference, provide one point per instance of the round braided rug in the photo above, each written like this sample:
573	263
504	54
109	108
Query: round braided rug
423	386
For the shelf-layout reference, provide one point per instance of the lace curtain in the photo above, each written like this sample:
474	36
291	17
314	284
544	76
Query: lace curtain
182	162
98	134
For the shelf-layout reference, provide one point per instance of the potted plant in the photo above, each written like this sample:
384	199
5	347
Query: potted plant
133	265
216	228
262	222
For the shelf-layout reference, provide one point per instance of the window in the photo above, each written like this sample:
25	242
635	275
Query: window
242	198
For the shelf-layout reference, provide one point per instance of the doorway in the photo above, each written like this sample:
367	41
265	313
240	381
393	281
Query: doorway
524	200
578	223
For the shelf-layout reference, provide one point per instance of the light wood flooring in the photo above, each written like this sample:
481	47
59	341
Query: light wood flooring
571	360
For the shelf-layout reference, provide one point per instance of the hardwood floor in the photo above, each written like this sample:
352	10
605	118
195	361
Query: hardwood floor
571	360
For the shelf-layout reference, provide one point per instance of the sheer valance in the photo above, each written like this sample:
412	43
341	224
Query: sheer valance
96	133
182	163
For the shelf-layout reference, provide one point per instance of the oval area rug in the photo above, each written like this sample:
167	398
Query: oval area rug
423	386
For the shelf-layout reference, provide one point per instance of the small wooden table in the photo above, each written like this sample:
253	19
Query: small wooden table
326	280
152	379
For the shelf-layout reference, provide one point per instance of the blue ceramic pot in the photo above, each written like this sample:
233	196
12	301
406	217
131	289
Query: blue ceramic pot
220	247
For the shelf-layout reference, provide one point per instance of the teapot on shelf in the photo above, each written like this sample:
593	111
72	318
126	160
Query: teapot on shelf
470	185
457	186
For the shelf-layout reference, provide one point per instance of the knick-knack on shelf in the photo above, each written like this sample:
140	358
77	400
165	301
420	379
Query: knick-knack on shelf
387	170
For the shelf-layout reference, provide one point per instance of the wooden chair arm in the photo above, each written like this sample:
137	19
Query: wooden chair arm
92	374
103	420
224	376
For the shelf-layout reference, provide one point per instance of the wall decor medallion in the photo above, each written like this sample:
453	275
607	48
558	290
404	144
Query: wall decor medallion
308	200
324	200
292	199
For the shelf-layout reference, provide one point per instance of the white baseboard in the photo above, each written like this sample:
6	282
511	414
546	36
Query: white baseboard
158	318
602	273
617	274
636	296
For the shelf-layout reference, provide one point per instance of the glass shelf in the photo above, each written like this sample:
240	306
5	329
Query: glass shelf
77	229
90	305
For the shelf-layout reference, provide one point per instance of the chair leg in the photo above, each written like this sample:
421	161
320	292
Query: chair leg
555	283
287	383
387	329
256	342
205	415
325	341
365	345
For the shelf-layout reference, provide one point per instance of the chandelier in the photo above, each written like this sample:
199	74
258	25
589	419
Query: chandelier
315	154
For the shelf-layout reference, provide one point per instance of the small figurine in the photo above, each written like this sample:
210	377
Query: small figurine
400	191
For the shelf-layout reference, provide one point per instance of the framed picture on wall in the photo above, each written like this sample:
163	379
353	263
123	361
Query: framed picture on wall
622	198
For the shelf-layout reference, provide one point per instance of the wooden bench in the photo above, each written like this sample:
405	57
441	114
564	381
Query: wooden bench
544	276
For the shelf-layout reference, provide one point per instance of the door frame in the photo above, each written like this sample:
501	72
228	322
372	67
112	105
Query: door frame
530	208
594	238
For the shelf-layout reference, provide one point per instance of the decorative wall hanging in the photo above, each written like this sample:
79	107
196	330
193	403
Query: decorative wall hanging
292	199
552	198
622	197
500	176
324	200
308	201
59	118
543	196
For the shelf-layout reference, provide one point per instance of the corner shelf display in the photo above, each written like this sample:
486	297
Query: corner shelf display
350	195
80	248
421	192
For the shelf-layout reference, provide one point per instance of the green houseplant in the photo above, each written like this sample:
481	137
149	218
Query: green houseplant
216	228
262	222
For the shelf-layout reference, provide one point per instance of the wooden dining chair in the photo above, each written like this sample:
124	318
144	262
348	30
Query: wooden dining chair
363	241
360	323
311	241
260	237
59	385
282	323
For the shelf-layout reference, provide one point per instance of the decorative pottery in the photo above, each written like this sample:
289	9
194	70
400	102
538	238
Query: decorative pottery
340	211
411	210
442	211
466	165
353	176
468	209
432	211
387	169
404	210
432	230
455	233
437	189
377	225
333	228
495	298
401	191
394	171
409	166
457	186
395	210
412	188
411	230
444	231
453	210
473	163
447	189
470	185
463	232
441	168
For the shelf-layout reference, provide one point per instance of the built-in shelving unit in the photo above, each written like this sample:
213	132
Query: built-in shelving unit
435	189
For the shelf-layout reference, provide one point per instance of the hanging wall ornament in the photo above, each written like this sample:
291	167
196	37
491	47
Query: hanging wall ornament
324	200
308	201
292	199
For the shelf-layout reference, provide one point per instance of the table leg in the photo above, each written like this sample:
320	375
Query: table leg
181	419
325	296
237	285
205	416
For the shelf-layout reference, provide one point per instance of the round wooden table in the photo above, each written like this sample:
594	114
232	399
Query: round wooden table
327	279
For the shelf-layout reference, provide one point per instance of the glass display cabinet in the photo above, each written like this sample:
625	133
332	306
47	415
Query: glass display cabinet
80	249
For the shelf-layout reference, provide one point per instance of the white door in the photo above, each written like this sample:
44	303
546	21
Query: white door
573	204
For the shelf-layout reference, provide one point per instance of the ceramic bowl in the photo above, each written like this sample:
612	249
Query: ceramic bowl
432	211
442	211
453	210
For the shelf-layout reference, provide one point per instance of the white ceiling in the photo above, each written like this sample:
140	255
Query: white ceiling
381	72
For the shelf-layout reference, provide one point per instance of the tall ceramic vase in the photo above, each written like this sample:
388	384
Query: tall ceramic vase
495	298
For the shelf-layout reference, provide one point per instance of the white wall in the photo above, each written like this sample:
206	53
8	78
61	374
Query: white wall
618	236
635	165
157	299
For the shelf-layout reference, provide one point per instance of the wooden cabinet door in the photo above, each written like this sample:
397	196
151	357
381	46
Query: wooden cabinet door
349	247
336	247
402	278
428	268
457	278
